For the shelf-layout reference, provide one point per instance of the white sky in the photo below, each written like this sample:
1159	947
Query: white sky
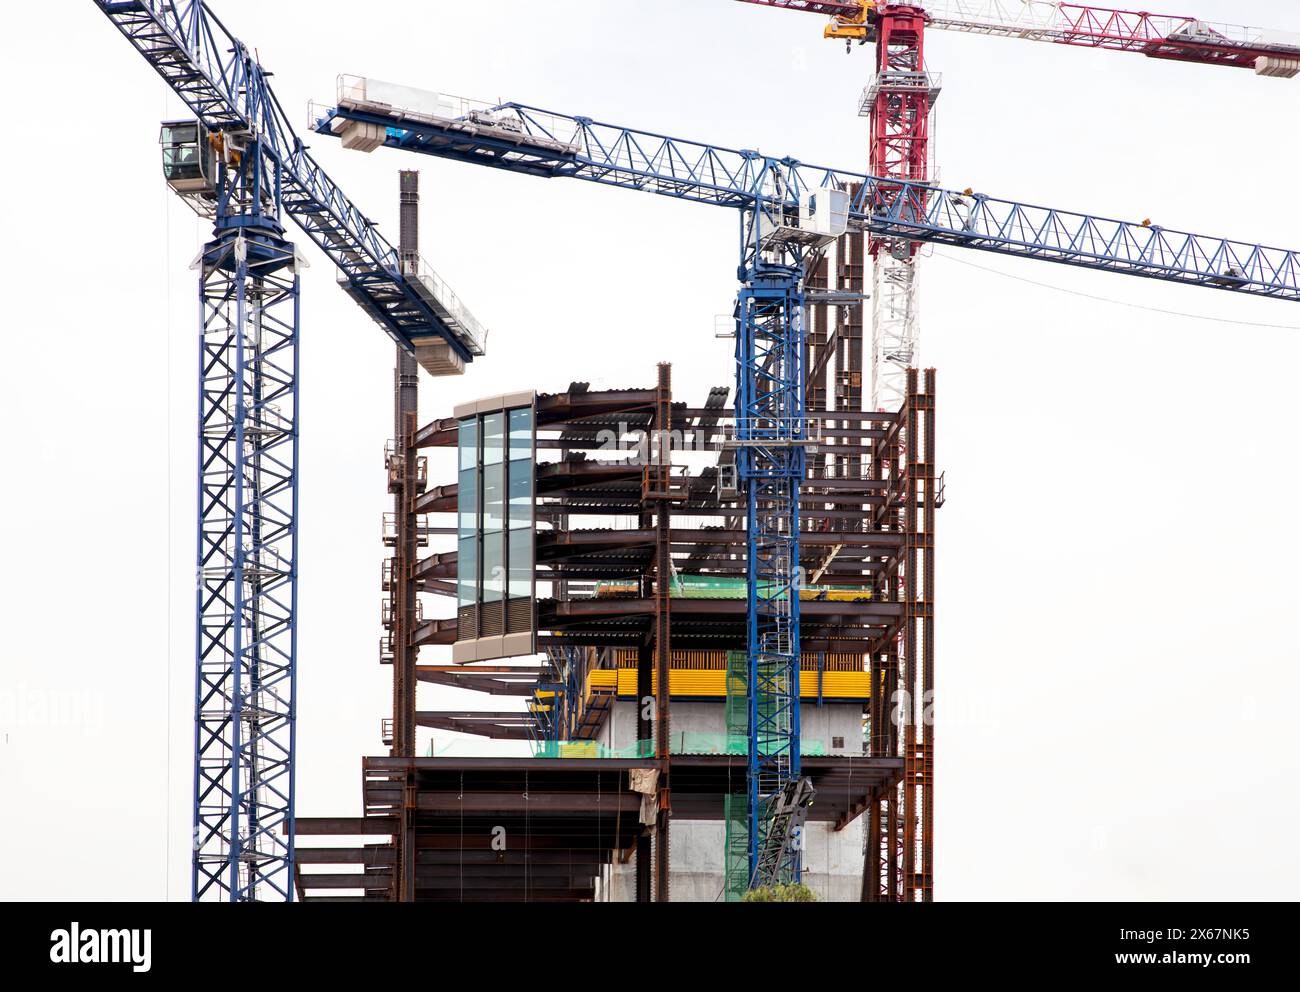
1116	672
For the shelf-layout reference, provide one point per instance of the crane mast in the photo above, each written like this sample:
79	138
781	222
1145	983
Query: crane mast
899	101
246	606
771	436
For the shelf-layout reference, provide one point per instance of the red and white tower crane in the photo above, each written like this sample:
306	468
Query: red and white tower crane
900	100
901	95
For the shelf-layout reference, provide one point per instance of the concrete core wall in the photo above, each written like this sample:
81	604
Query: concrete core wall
832	861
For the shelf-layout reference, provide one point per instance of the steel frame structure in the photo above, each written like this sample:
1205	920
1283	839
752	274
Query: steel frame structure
405	483
898	211
246	643
587	629
571	817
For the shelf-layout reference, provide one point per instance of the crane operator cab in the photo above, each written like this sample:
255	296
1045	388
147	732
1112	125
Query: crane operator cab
190	164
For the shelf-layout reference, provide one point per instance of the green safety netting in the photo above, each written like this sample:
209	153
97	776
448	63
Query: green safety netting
683	743
590	749
713	587
735	814
737	706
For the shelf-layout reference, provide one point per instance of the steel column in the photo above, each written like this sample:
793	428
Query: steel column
659	473
403	461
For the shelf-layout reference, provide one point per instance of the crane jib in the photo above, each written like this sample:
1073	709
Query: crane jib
226	89
1160	36
519	138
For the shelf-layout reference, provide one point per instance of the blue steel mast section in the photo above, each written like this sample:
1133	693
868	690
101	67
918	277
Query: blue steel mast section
247	563
771	433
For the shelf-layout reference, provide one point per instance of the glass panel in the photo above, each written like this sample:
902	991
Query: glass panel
521	502
181	163
496	448
494	426
521	433
467	503
521	564
467	514
182	153
521	494
177	133
493	567
521	468
467	571
468	443
494	497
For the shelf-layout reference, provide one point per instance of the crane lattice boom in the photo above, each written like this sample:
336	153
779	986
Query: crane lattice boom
1162	36
222	84
520	138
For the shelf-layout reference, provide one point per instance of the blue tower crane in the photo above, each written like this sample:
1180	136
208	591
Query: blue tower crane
240	163
789	212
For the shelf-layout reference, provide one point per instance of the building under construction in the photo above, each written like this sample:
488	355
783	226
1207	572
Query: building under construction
584	556
643	575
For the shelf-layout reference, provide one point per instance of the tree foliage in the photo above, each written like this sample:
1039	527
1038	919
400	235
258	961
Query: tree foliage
780	893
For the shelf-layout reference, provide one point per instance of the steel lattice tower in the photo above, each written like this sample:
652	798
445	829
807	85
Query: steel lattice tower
770	436
899	101
247	546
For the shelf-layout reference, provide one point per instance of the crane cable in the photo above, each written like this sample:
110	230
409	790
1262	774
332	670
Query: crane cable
167	653
1119	303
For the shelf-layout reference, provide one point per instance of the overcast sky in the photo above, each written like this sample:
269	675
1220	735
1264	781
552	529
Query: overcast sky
1117	584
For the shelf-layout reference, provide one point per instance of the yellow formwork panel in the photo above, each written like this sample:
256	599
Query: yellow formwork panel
601	679
710	682
831	662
